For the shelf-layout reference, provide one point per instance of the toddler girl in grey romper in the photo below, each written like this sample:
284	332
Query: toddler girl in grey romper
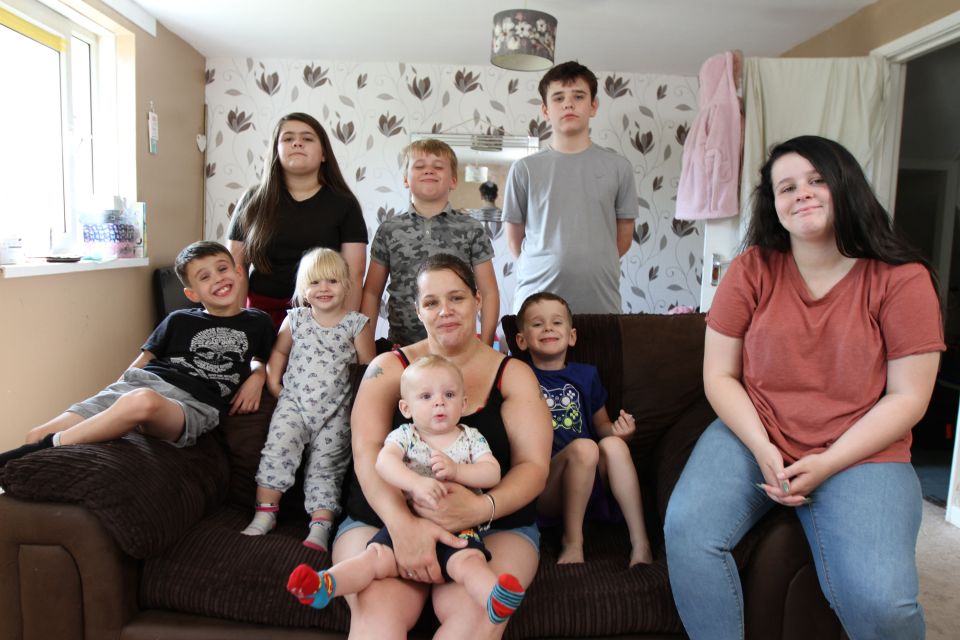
313	410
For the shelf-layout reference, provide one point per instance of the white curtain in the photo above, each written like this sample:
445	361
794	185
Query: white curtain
851	100
845	99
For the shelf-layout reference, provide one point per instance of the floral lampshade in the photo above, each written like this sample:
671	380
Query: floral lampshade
523	40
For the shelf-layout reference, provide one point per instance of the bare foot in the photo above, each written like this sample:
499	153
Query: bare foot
572	553
641	554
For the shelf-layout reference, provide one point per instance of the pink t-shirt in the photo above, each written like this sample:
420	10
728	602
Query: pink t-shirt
814	367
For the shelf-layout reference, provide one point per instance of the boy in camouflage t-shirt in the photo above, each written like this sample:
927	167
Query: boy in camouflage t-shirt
428	227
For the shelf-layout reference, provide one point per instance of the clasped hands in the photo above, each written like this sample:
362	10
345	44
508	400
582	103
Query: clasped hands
442	505
415	548
792	485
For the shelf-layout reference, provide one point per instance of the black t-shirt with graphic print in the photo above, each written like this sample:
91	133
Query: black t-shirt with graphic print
209	356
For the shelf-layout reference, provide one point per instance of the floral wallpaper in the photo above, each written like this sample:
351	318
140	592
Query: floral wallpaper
370	109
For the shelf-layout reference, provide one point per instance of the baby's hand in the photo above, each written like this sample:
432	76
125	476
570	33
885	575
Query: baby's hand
428	491
444	468
624	426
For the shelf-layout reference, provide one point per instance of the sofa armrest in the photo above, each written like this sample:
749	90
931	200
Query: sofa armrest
145	492
62	575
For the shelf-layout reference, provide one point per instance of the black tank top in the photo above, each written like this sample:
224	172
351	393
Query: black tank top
488	421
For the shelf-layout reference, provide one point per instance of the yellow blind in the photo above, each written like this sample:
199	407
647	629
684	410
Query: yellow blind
32	31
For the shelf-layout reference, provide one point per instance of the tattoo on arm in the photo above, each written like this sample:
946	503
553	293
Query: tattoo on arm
373	371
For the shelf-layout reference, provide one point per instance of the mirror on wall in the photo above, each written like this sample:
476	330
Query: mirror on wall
482	158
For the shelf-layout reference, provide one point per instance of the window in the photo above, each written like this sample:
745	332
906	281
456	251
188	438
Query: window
59	130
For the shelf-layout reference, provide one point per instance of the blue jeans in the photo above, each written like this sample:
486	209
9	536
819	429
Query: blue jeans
861	525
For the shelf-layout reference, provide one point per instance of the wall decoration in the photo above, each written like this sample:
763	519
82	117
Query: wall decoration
370	109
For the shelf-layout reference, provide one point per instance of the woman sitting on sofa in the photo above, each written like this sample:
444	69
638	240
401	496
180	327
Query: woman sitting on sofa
505	405
821	353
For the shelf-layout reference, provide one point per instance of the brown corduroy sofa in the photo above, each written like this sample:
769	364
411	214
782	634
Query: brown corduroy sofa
135	540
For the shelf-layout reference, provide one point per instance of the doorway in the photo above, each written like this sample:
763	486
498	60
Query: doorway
926	213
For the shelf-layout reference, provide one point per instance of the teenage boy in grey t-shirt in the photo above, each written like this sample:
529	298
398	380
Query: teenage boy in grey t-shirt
569	211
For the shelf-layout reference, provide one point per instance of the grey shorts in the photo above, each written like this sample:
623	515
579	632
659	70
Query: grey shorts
198	417
530	533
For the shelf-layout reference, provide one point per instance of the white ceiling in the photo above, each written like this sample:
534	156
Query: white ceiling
648	36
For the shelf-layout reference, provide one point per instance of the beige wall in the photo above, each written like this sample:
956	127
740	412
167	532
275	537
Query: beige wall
64	337
872	26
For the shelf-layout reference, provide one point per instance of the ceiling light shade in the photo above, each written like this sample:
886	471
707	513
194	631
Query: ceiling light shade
523	40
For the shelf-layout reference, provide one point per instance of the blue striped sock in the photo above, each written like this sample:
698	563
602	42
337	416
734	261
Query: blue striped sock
504	599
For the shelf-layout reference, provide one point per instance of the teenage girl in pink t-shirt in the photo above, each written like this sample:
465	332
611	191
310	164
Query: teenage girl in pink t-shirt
821	353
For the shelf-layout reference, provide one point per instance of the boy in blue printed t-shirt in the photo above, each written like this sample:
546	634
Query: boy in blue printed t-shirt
196	364
590	452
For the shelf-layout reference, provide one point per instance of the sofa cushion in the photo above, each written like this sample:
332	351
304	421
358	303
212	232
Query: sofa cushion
670	379
237	577
243	578
601	597
244	436
145	492
673	449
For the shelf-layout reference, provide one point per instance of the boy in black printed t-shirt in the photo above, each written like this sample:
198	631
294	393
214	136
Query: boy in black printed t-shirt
195	364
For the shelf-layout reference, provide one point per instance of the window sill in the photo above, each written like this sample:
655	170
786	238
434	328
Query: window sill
42	268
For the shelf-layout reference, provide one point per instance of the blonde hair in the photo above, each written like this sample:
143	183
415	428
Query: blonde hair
320	264
427	146
431	361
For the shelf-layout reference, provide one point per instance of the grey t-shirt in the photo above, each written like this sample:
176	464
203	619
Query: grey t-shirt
569	204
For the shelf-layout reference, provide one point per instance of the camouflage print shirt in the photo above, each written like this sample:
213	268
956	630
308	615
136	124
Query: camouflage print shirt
404	241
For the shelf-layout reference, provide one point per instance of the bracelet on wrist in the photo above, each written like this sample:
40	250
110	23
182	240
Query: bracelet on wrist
493	512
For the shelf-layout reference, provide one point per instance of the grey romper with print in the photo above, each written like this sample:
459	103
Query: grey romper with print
314	410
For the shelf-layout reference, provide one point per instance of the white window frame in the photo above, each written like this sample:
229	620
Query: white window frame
113	94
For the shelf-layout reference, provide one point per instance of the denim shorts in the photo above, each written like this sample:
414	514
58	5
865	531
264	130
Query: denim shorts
530	533
198	417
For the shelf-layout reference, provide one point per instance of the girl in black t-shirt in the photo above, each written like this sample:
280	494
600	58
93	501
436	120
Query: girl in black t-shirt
301	203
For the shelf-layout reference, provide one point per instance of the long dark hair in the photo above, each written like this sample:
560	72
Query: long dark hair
258	212
861	225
